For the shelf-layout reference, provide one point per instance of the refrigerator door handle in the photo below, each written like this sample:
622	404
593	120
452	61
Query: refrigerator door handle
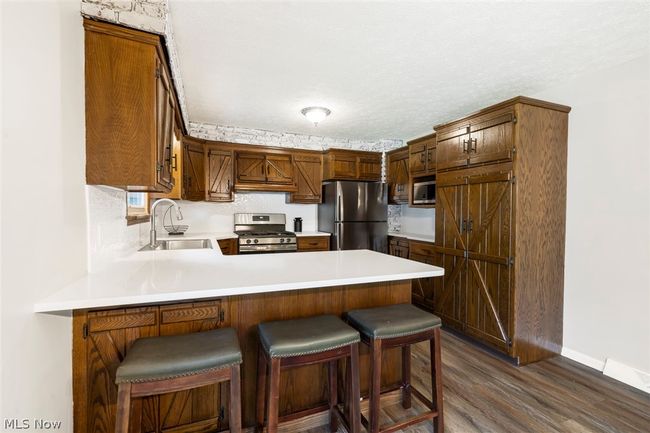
339	239
339	208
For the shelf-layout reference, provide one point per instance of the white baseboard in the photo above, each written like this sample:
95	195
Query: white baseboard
583	359
626	374
611	368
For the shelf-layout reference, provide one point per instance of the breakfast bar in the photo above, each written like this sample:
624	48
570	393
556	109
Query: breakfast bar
154	293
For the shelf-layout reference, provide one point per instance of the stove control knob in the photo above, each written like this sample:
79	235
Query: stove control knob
281	241
248	241
289	240
256	241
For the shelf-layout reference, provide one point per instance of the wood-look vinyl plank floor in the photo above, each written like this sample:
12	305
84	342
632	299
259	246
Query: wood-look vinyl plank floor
486	394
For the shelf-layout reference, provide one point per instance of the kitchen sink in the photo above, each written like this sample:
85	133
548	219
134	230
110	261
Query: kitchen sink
180	244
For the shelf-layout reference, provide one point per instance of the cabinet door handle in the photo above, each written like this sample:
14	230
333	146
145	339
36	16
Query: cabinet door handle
175	162
465	142
422	157
472	142
227	185
463	226
470	225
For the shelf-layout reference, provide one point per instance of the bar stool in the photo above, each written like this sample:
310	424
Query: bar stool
158	365
312	340
400	326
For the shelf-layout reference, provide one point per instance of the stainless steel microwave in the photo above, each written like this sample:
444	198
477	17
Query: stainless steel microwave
424	192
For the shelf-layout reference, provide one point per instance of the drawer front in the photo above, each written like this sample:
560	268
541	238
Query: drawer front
422	248
103	321
191	311
314	243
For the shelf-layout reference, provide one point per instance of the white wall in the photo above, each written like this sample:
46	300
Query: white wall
607	276
43	201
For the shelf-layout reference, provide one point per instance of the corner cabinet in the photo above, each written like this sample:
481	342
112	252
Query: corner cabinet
344	164
102	338
500	226
130	109
397	162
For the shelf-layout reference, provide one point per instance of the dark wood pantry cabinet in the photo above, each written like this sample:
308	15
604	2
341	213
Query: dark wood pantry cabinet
500	225
130	109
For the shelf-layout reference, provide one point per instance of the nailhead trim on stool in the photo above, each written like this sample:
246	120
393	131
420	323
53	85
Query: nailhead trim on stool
312	340
179	363
400	326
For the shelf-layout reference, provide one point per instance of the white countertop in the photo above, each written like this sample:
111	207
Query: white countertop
162	276
414	236
305	234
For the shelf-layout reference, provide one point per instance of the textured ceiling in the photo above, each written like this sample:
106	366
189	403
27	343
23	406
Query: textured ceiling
388	70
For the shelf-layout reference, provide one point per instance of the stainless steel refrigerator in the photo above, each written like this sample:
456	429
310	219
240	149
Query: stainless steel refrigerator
356	214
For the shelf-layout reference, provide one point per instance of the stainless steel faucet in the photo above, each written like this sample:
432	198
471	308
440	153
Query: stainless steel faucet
153	242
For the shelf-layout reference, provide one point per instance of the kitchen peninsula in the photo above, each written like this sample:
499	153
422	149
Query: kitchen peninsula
176	292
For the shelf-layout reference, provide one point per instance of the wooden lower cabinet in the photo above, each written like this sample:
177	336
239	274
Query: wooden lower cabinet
101	339
313	243
228	246
423	289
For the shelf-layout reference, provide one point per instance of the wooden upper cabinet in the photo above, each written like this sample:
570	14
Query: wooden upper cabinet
309	176
397	162
270	170
344	164
219	174
487	137
130	109
492	139
369	167
177	170
279	169
422	156
193	161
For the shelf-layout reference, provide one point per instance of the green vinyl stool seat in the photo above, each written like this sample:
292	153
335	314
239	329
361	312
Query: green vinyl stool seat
291	343
400	326
392	321
164	364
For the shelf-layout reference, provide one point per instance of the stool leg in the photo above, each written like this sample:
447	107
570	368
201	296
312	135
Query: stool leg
436	380
375	384
272	406
123	408
332	370
406	376
262	372
354	415
235	400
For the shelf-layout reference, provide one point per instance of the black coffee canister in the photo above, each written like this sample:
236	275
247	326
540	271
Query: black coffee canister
297	224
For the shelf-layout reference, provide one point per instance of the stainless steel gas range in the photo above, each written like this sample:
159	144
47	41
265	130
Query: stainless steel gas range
263	233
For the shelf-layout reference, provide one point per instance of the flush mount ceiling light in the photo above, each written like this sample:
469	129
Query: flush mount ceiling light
315	114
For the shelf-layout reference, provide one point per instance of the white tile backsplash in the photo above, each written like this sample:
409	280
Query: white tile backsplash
218	217
417	221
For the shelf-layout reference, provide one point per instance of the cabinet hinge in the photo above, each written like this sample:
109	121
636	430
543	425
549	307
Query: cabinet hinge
514	119
84	331
512	180
511	260
222	413
159	166
466	254
222	316
158	72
